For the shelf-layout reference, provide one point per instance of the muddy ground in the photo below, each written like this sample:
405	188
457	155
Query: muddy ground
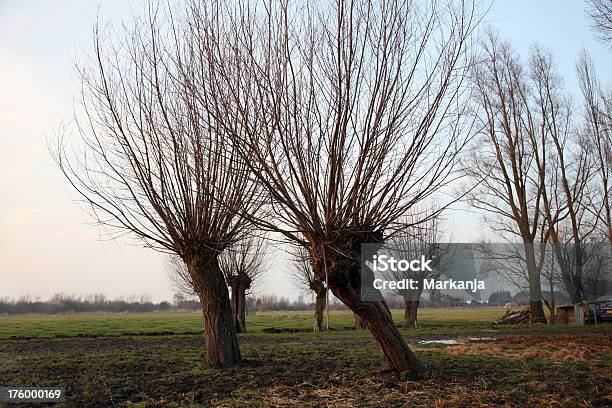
536	369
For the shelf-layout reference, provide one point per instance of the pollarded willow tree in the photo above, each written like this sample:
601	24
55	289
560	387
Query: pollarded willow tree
349	113
420	239
149	160
243	264
306	280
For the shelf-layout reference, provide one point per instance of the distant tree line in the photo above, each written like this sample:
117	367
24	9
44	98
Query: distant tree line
264	303
98	303
64	304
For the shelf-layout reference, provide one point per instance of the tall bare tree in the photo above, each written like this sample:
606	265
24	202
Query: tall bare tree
149	159
567	195
598	141
506	261
349	113
243	264
600	13
505	161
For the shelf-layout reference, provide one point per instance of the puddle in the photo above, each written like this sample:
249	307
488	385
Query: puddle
448	342
453	342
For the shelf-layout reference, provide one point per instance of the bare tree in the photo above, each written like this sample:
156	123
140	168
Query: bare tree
349	113
600	12
567	196
505	165
421	239
598	141
243	264
504	260
507	261
151	161
306	279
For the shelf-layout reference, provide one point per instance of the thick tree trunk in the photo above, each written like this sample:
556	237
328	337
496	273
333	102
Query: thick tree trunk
536	309
376	316
410	314
344	272
220	338
536	312
319	309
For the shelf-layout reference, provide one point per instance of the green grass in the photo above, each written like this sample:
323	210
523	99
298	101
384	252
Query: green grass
432	322
98	325
156	360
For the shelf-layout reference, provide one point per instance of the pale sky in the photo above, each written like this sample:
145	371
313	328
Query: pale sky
47	244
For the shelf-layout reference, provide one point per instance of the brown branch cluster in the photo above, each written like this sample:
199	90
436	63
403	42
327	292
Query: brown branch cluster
348	114
600	13
148	157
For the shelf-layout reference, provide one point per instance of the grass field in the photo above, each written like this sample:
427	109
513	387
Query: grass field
437	320
155	360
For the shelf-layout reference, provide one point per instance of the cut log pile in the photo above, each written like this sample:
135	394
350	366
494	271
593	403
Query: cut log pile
512	317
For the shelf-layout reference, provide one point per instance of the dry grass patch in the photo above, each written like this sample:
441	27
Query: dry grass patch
558	348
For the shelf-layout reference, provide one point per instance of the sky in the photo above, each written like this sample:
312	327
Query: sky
47	242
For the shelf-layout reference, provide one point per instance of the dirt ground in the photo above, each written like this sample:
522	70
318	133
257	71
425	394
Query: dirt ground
555	370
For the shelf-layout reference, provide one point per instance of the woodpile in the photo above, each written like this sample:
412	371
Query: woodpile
512	317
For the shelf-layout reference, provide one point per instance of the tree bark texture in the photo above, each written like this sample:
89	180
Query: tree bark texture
220	338
536	308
